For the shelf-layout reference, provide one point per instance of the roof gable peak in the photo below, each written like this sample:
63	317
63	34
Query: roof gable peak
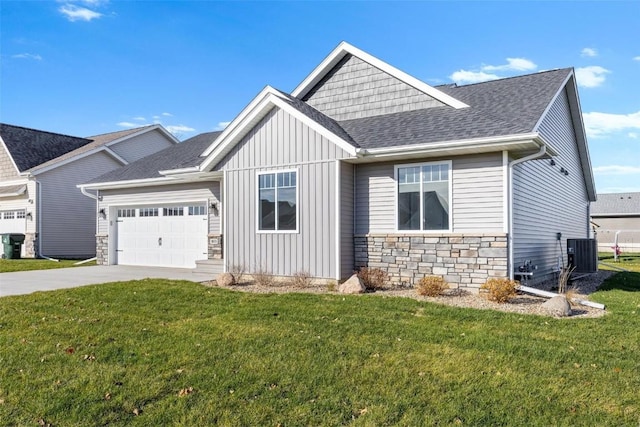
344	49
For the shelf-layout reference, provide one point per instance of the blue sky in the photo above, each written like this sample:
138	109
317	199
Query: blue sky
95	66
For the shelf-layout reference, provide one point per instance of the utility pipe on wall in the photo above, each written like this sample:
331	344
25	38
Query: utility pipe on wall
540	153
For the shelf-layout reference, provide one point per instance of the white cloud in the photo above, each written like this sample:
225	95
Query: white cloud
589	52
513	64
27	56
602	124
633	135
140	119
222	125
636	58
179	128
617	170
167	114
591	76
128	124
465	76
76	13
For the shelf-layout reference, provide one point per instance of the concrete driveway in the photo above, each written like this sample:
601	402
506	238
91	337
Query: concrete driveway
26	282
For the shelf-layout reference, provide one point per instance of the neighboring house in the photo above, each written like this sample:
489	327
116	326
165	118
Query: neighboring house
39	172
364	165
617	213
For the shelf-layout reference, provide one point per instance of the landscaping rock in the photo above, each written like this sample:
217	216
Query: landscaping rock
224	279
558	306
352	286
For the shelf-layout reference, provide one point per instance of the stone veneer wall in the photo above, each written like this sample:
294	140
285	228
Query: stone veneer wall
215	246
463	260
30	245
102	249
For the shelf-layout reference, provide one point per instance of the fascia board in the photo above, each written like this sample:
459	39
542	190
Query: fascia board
179	171
345	48
142	131
461	144
14	182
127	184
270	101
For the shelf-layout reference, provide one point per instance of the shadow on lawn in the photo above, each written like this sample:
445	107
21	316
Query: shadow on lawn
623	281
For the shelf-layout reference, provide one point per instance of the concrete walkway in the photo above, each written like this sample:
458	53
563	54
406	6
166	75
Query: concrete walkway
26	282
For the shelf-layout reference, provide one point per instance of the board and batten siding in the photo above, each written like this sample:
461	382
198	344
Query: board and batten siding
280	141
68	218
545	201
140	146
346	219
477	192
166	195
356	89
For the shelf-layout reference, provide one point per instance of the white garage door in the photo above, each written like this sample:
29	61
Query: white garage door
13	221
163	236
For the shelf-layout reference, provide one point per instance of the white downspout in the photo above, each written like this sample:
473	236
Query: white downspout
540	153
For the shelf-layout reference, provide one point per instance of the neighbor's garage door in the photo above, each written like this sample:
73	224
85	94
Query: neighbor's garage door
13	221
163	236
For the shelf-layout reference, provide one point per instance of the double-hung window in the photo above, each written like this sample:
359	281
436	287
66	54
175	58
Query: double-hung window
424	196
278	201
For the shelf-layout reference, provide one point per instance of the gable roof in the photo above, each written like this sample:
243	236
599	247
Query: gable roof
30	147
612	204
103	141
182	155
344	49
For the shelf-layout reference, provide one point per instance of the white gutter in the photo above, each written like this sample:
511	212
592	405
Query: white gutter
83	190
540	153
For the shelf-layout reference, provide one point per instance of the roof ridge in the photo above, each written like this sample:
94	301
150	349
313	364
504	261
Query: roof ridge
45	131
123	130
508	78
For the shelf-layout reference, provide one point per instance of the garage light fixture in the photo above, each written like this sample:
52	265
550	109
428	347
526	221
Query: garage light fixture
29	215
214	208
103	213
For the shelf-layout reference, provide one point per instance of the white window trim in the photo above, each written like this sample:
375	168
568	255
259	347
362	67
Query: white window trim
257	199
395	182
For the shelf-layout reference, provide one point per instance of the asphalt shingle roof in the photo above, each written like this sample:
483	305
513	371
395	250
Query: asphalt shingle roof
616	203
499	107
183	155
30	147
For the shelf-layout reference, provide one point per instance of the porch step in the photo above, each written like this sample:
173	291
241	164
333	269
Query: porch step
209	266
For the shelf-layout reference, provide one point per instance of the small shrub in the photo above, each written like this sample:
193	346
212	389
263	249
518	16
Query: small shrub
431	286
373	278
237	271
332	286
563	279
301	279
500	289
263	277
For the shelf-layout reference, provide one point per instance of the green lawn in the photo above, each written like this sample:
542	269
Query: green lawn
158	352
628	261
25	264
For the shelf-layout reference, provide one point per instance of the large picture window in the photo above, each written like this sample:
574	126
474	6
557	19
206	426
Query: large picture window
277	201
423	196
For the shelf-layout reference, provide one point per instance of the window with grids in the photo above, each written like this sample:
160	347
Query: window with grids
277	201
177	211
197	210
9	215
126	213
21	214
423	196
145	212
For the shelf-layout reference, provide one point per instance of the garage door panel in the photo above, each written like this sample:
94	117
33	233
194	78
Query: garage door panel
164	241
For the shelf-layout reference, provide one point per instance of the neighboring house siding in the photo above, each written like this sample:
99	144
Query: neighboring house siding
8	171
68	217
356	89
161	196
141	146
477	192
280	141
545	201
628	238
346	219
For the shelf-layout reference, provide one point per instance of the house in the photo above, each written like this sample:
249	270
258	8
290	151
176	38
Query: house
617	213
39	172
365	165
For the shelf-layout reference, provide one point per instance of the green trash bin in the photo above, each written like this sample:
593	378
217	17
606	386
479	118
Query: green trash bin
12	245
